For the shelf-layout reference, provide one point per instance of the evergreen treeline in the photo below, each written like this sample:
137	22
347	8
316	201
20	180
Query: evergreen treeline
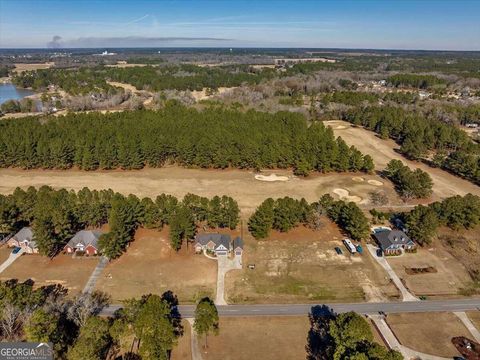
81	81
343	336
415	184
414	80
286	213
347	215
56	215
218	138
85	80
418	135
455	212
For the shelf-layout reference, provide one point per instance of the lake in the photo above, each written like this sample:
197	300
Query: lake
9	92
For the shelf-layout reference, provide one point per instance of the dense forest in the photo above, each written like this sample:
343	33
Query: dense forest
56	215
415	80
86	80
286	213
418	135
216	138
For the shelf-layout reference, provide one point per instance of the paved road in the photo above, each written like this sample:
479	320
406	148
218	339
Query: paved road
304	309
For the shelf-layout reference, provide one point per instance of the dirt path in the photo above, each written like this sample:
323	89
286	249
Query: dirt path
382	151
177	181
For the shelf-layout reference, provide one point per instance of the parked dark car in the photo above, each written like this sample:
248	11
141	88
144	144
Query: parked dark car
338	250
16	250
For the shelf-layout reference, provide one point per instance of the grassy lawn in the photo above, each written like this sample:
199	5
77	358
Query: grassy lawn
430	333
302	266
246	338
150	266
474	317
449	278
183	349
62	269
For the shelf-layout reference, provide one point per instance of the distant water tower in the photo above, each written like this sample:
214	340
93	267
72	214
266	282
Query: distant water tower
231	49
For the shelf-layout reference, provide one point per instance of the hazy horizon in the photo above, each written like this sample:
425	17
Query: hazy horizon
384	25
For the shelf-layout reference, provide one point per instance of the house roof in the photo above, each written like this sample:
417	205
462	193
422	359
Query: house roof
390	238
85	238
217	239
25	234
238	242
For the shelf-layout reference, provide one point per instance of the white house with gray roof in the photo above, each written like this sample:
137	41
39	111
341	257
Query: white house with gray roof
219	244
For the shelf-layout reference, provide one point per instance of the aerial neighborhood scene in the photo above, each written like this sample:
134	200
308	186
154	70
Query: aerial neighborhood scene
238	180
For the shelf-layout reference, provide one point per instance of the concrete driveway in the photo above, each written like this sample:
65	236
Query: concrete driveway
11	258
406	295
225	264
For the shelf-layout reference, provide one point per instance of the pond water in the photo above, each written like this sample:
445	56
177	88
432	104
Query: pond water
9	92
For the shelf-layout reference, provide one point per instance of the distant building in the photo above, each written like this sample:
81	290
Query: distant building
84	242
219	244
393	242
25	240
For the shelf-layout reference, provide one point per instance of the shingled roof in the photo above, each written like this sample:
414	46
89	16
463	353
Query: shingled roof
217	239
25	234
85	238
391	238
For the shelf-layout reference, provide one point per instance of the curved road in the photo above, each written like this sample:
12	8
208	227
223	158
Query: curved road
304	309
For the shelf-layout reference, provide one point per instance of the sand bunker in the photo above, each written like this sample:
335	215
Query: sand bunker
358	179
375	182
344	194
271	177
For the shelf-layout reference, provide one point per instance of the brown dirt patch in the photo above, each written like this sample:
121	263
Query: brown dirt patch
446	281
62	269
246	338
421	270
302	266
430	333
177	181
4	253
151	266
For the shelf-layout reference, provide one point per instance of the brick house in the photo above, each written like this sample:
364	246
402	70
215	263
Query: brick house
84	242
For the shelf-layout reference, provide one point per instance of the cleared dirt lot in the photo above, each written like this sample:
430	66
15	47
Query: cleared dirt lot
449	277
28	67
430	333
241	185
382	151
4	253
246	338
151	266
62	269
302	266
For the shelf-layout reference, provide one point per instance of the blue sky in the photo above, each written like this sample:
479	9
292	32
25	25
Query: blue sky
387	24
